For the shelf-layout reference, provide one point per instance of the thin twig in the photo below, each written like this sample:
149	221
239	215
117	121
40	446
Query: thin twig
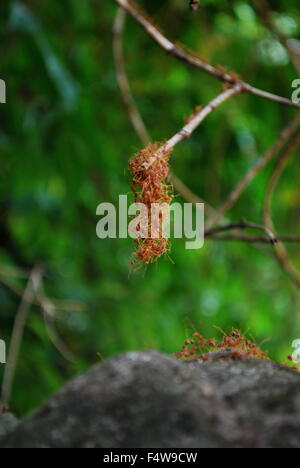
263	8
241	225
58	304
184	56
281	252
253	239
253	171
17	335
293	46
131	108
16	272
49	313
195	121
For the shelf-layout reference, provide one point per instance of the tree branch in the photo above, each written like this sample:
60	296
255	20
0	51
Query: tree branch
6	272
254	239
195	121
263	8
48	311
241	225
32	295
17	335
184	56
131	108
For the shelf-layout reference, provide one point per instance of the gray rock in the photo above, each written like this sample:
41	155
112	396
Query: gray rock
147	399
8	422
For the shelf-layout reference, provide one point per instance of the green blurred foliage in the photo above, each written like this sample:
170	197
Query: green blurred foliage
65	140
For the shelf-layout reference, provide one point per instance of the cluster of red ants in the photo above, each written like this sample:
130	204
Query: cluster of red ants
239	345
201	349
149	185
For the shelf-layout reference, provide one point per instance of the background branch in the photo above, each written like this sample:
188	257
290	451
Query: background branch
7	272
254	239
193	60
281	252
242	225
194	122
17	335
290	45
246	180
48	311
130	105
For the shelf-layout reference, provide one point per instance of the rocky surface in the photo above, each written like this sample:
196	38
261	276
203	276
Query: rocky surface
8	423
147	399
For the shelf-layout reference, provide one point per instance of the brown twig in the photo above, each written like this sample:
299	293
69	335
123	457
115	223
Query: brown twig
241	225
17	335
253	171
48	311
7	272
254	239
31	295
293	46
194	122
264	10
281	252
197	62
131	108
